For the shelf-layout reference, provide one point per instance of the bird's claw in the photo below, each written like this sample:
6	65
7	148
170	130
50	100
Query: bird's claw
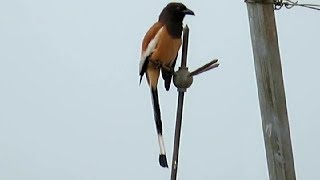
158	64
168	69
171	70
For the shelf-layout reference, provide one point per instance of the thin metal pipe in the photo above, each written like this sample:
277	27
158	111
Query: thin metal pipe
174	167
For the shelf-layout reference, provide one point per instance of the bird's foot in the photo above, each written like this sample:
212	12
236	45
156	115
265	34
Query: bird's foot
158	64
171	70
168	69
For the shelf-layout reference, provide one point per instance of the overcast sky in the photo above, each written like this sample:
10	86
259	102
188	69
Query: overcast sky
71	107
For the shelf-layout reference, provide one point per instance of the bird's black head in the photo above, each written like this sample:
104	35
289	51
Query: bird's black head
174	12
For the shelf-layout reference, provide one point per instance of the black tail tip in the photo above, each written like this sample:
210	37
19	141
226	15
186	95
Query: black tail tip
163	160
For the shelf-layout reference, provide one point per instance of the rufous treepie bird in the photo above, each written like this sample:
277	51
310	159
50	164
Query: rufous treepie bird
160	48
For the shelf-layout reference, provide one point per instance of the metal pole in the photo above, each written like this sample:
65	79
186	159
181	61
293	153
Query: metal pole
177	134
183	79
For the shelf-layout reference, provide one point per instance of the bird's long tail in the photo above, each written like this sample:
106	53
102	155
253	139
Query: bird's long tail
157	118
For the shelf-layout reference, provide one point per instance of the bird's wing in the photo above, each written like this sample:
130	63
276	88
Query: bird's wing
149	43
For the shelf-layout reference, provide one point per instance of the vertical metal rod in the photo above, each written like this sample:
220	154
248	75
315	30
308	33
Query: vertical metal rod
174	167
185	46
175	157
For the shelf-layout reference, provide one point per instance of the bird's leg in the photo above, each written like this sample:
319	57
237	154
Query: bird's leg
171	70
157	64
168	69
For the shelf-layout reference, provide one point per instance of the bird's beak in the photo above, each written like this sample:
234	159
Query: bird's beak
188	12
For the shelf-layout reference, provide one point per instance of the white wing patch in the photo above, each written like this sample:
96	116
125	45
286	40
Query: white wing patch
151	46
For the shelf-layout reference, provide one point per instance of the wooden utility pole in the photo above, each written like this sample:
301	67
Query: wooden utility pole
271	89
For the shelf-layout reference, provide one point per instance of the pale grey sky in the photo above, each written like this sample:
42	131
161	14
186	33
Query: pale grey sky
71	107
